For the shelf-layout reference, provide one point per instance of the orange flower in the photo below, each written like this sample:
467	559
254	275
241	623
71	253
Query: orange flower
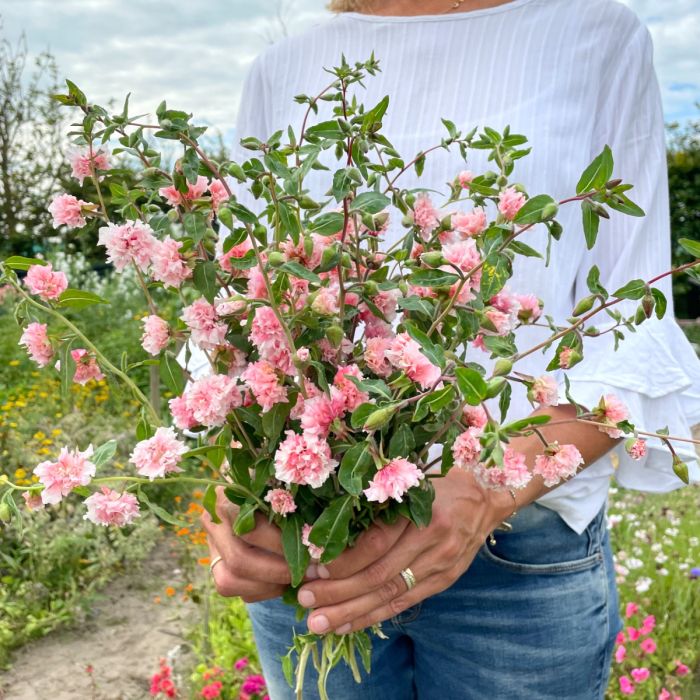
156	600
204	561
183	531
170	591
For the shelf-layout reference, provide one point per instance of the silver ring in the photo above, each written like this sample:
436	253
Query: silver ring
214	562
409	578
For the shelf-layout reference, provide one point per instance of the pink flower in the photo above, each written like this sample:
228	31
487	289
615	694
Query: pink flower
681	669
156	334
158	455
303	459
393	480
648	625
506	302
425	216
66	209
626	686
467	448
181	413
169	267
32	500
281	501
475	416
130	242
470	223
405	354
212	690
620	654
565	357
211	398
620	639
43	281
80	163
262	379
640	674
86	367
194	191
544	391
352	396
633	633
326	302
107	507
241	663
611	411
636	449
235	252
315	551
218	193
269	338
207	331
664	695
515	469
319	412
648	646
35	338
557	463
71	469
464	178
465	255
530	308
510	202
501	322
631	609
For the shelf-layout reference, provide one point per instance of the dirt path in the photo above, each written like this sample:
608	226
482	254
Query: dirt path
122	638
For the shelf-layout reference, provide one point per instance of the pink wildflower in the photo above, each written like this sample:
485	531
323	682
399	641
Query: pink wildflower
281	501
467	448
510	202
262	379
241	663
71	469
631	609
636	449
36	340
425	216
315	551
475	416
86	367
611	411
194	191
393	480
235	252
557	463
304	459
470	223
648	646
269	338
218	193
43	281
108	507
405	354
181	413
211	398
156	334
320	411
681	669
130	242
544	391
158	455
81	163
32	500
620	653
207	331
530	308
352	396
212	690
326	302
626	686
501	323
464	178
66	209
648	625
640	674
169	267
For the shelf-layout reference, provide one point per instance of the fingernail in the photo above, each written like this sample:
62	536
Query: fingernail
318	624
306	598
312	572
322	571
344	629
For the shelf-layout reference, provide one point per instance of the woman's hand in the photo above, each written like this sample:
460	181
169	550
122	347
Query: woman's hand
253	565
364	583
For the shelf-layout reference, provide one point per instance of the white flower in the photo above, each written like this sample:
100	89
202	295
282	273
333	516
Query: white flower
643	585
633	563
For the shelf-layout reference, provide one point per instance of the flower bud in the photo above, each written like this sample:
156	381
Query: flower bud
640	315
680	469
501	181
371	288
236	171
5	512
329	255
166	124
433	258
403	287
306	202
256	188
308	246
586	304
379	417
335	335
550	211
260	232
346	260
648	304
173	216
225	216
275	258
495	386
502	367
407	220
555	228
489	177
410	199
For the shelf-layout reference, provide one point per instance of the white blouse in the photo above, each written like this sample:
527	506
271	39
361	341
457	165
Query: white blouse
572	76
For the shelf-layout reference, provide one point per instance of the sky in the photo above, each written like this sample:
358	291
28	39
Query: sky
195	54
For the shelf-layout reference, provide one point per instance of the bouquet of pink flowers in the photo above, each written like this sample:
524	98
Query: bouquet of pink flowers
342	374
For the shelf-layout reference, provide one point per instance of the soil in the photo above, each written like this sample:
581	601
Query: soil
122	637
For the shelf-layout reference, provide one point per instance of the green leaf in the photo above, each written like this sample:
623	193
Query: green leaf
209	503
532	211
420	503
330	530
327	224
245	520
295	552
375	114
171	373
434	402
418	304
159	512
370	202
402	442
18	262
353	467
204	279
360	414
597	173
297	270
591	222
523	249
593	282
326	130
195	224
432	351
660	302
690	246
634	289
625	206
273	420
494	274
471	385
433	278
78	299
104	453
289	220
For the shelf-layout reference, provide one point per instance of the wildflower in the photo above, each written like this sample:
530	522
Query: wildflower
640	674
303	459
620	653
557	463
636	449
281	501
241	663
156	334
510	202
262	379
530	308
405	354
36	340
82	163
375	355
611	411
212	690
86	367
626	686
352	396
393	481
544	391
681	669
631	609
71	469
470	223
467	448
648	646
158	455
194	191
169	267
108	507
133	241
210	399
44	282
314	551
206	330
67	209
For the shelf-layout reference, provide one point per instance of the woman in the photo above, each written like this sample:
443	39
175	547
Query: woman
535	614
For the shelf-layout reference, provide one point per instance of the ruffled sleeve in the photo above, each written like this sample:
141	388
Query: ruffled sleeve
655	371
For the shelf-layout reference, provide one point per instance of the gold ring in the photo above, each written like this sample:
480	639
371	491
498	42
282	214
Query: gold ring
214	562
409	578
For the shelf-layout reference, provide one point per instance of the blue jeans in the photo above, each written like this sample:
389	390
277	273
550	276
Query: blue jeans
534	616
